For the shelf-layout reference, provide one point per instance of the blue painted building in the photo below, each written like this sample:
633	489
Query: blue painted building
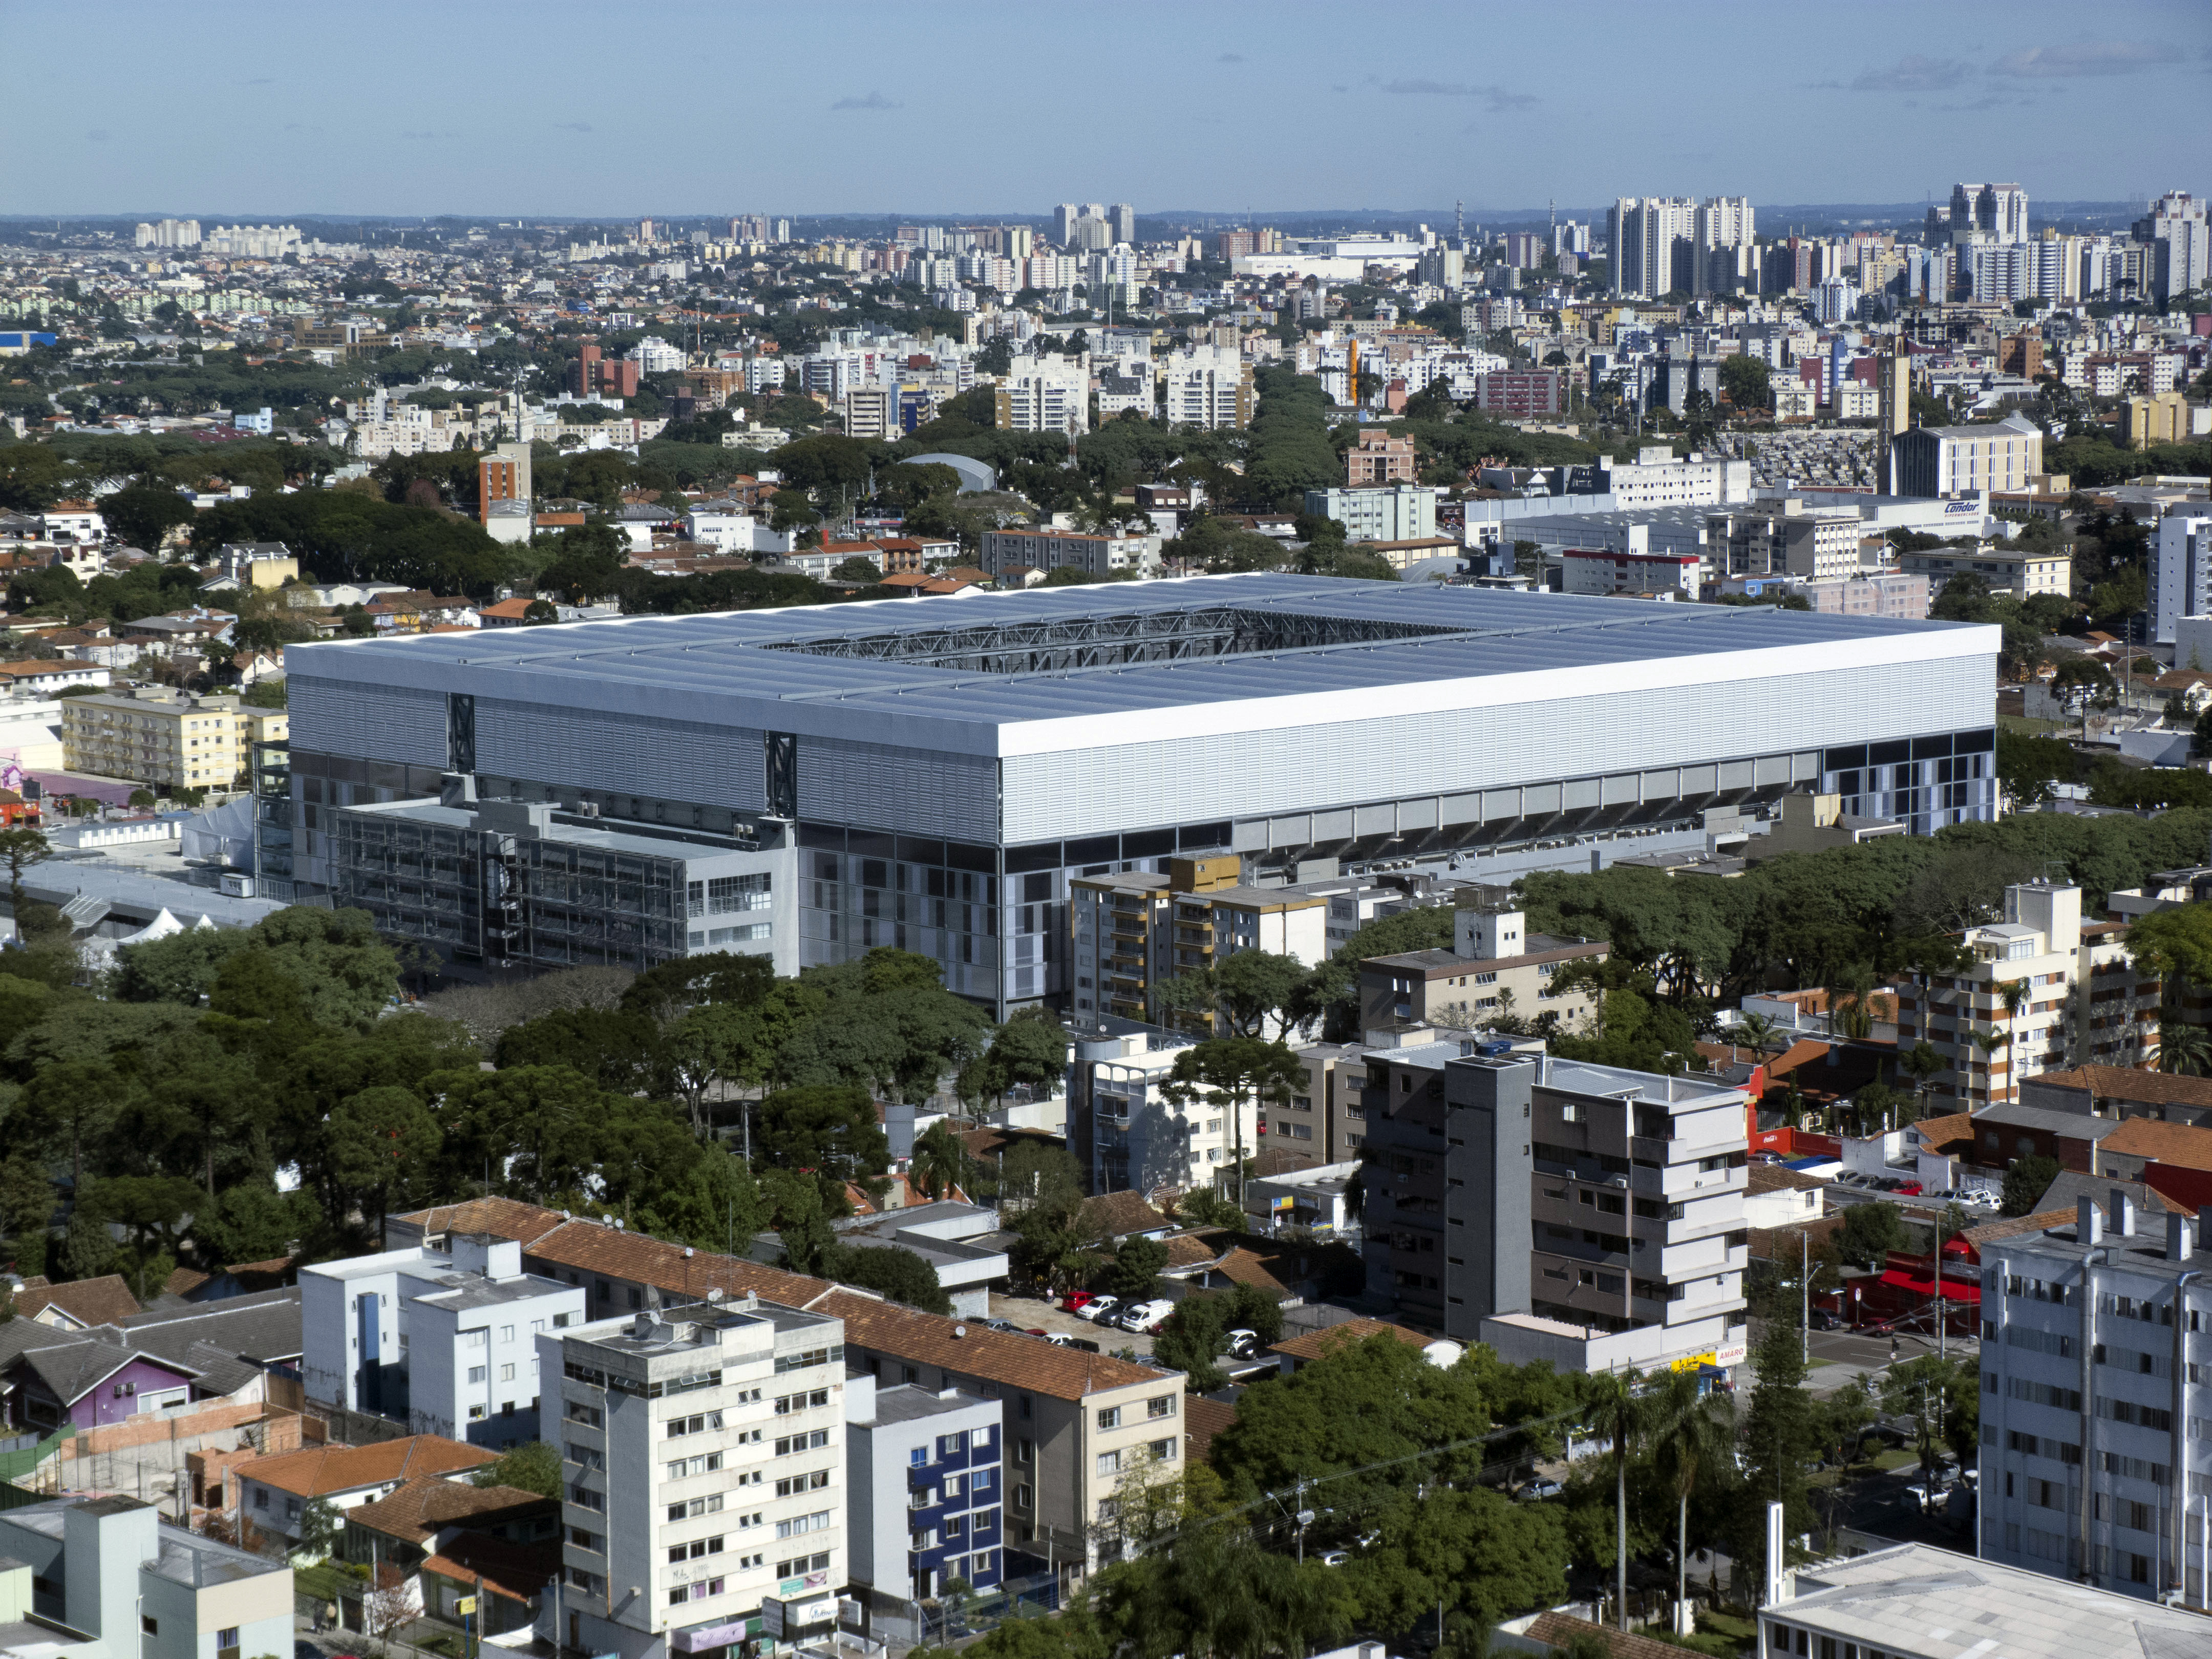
926	1489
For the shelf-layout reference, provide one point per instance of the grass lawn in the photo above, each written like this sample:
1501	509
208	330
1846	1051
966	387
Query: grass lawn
1725	1626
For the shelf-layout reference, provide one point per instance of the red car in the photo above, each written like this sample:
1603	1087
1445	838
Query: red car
1076	1300
1909	1189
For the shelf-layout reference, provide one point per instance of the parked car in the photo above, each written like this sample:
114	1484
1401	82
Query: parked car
1766	1157
1076	1301
1242	1344
1099	1310
1981	1198
1146	1316
1336	1558
1062	1340
1004	1326
1908	1190
1542	1486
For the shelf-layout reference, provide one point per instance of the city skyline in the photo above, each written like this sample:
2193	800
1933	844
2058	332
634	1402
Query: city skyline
856	117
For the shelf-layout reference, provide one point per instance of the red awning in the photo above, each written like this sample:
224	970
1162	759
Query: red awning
1953	1290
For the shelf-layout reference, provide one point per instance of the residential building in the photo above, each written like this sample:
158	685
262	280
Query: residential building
1664	575
502	475
1378	513
2180	572
254	565
703	1464
2161	418
1521	394
907	807
2044	991
1584	1214
1656	478
273	1491
2180	244
1814	544
871	412
593	374
1045	394
1050	549
1209	387
1997	212
1129	932
1379	458
2021	571
1075	1425
454	1540
1891	1601
926	1487
2095	1383
159	736
539	883
443	1341
1495	967
108	1579
1137	1138
1962	461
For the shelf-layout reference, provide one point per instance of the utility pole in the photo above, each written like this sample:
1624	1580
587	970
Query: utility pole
1804	1289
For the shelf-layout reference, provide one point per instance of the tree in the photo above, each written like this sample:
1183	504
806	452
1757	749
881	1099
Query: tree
1241	992
1135	1273
2183	1048
891	1270
533	1466
1616	1410
27	1203
379	1142
88	1248
1870	1232
20	847
321	1526
1226	1072
1779	1436
939	1164
2024	1184
252	1221
75	1102
1744	378
1692	1435
855	567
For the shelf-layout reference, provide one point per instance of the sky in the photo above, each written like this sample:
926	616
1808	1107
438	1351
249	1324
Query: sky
971	107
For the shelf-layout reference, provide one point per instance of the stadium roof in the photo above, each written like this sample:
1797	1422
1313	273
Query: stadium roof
1057	654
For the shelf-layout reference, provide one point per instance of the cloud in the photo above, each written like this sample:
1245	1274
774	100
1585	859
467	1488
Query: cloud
1911	73
573	126
2083	57
99	135
1497	97
1231	57
873	100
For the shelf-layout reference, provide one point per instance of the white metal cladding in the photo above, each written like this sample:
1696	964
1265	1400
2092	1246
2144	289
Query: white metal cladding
890	788
624	754
1250	774
374	723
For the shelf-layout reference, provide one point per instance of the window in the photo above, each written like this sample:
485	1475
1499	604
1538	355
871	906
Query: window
584	1539
260	1498
507	1333
1109	1462
1163	1450
1110	1418
584	1456
1160	1405
584	1498
149	1624
918	1458
589	1416
817	1562
682	1468
226	1638
507	1372
696	1506
699	1423
817	1521
979	1440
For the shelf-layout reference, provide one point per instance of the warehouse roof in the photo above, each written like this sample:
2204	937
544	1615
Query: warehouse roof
1051	654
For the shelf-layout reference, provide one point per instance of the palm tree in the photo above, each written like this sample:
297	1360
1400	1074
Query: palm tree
1924	1062
1615	1408
1989	1042
1760	1033
940	1163
1692	1431
2183	1048
2012	992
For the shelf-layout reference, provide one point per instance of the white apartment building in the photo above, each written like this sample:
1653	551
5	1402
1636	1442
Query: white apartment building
1046	395
2180	572
1378	513
1141	1140
2096	1390
2079	1000
443	1341
654	356
702	1476
2017	569
1050	549
1960	460
1209	387
1656	479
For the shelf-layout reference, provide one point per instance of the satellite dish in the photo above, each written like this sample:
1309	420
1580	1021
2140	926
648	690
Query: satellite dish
959	1330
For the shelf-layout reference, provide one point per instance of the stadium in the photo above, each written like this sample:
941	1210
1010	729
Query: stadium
929	773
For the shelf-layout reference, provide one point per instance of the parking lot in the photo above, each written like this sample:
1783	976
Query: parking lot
1029	1313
